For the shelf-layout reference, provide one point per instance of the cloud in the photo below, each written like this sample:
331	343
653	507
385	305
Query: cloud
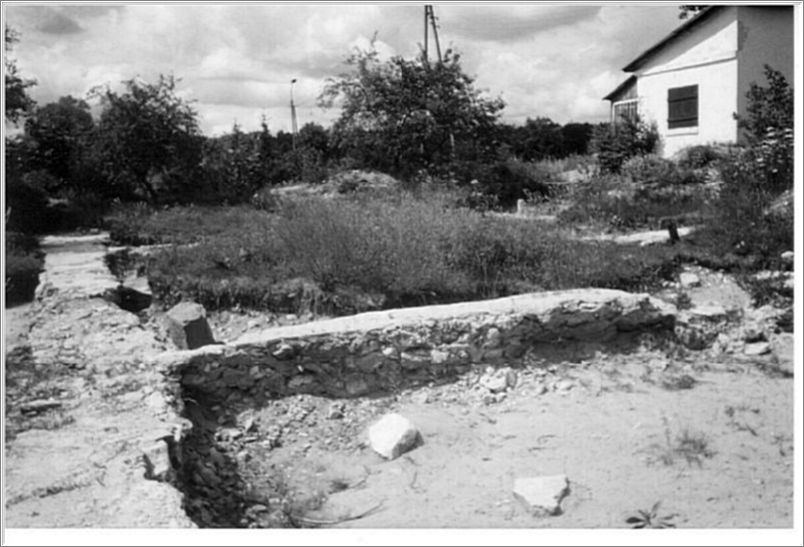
506	23
237	61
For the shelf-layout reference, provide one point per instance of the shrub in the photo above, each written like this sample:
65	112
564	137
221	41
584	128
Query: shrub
22	277
617	203
613	144
743	223
503	182
651	169
699	156
26	208
747	221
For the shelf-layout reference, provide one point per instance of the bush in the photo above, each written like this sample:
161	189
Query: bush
614	144
651	169
699	156
747	221
743	222
26	208
22	277
504	182
615	202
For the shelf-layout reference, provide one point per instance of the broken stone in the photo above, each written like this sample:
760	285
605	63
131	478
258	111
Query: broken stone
390	352
541	388
187	326
438	357
563	385
393	435
711	312
757	348
130	298
422	397
284	352
499	380
689	279
493	338
38	405
753	333
156	458
782	346
336	411
542	496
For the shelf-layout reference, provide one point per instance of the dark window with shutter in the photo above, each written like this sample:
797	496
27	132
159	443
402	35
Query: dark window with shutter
682	106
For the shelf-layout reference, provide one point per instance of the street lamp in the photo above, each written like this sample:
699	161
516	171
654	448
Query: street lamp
294	128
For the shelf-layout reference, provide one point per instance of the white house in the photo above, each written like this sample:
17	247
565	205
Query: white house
692	82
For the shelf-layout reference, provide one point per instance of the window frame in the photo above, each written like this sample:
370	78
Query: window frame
680	99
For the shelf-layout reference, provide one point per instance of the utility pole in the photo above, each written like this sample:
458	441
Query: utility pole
426	40
430	20
293	125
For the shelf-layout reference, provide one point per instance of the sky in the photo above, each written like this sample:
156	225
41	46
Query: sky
236	62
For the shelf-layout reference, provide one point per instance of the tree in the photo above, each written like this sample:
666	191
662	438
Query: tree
406	115
148	138
60	133
18	102
576	137
769	107
688	10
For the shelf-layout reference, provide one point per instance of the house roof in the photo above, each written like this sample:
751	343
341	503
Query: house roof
628	82
701	16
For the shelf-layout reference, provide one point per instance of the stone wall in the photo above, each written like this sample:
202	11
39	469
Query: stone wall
382	351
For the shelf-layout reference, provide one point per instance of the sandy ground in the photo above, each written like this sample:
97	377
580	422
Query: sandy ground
614	433
610	421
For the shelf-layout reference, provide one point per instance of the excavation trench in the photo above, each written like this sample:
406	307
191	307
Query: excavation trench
247	461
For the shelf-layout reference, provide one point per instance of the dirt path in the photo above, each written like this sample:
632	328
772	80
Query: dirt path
80	406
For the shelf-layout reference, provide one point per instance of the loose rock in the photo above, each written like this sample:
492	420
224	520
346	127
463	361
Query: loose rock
758	348
689	279
187	326
497	381
157	461
542	495
782	345
393	435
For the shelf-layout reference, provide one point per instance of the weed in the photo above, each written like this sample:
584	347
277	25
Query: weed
683	301
651	519
692	446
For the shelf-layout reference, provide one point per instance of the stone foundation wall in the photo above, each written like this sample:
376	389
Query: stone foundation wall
382	351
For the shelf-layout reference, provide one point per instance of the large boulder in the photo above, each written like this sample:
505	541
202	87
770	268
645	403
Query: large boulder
187	326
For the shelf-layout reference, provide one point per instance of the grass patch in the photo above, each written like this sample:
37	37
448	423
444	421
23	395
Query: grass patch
348	255
613	202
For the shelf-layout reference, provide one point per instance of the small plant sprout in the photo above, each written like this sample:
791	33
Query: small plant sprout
651	519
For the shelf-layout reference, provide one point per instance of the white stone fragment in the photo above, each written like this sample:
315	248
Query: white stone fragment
542	495
757	348
156	457
689	279
393	435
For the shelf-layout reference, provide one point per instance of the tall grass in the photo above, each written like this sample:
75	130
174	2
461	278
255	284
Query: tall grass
407	250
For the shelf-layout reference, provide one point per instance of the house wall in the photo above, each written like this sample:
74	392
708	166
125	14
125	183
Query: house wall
766	35
706	56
